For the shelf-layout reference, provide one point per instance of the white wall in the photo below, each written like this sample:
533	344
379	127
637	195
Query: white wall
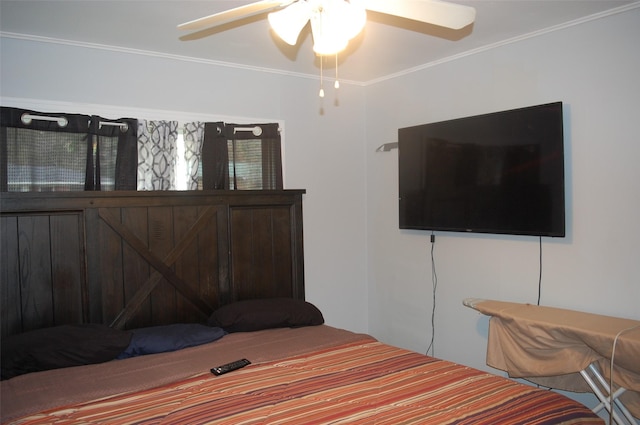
324	143
594	68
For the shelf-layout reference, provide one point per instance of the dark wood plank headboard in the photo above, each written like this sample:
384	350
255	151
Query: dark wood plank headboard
134	259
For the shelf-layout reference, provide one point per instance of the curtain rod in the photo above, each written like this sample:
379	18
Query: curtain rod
123	125
257	130
62	121
28	118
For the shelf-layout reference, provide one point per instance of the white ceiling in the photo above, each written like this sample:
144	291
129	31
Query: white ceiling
386	47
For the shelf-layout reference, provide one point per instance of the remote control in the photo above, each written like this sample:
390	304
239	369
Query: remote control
230	367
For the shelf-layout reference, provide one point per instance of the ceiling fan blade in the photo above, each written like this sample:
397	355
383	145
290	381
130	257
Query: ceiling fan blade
435	12
234	14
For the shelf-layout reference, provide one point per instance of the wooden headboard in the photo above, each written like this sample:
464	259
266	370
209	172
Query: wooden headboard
134	259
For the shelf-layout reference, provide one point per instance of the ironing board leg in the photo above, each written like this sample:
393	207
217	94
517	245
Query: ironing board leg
603	392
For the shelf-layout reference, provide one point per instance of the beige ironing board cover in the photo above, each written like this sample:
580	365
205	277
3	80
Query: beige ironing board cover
550	346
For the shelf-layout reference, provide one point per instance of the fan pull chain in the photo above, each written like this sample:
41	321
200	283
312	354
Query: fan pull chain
337	83
321	94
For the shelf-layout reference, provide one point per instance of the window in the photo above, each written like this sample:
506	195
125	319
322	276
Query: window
245	164
65	152
242	157
45	161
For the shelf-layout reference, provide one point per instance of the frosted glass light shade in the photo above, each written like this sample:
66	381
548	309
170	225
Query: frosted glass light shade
288	22
335	23
326	42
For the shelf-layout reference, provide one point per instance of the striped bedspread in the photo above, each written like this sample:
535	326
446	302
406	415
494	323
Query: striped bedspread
355	383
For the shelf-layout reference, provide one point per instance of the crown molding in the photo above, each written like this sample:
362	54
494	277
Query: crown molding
150	53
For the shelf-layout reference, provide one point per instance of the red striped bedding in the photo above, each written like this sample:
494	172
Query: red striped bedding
362	382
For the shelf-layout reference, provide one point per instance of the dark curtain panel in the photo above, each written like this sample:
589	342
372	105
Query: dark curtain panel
116	153
242	157
215	159
42	151
3	157
43	155
271	157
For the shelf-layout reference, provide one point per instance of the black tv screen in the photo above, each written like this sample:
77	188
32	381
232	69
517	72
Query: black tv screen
500	173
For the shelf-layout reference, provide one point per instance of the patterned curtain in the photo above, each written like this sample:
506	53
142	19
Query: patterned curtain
157	154
193	134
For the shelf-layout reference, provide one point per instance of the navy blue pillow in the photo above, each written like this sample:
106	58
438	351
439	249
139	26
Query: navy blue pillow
161	339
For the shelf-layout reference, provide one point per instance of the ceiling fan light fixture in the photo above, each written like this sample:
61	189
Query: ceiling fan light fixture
334	23
288	22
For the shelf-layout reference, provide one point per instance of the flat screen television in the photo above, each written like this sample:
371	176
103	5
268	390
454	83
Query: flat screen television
501	173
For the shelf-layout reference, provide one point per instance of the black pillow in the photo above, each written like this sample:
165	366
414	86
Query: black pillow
164	338
61	346
254	315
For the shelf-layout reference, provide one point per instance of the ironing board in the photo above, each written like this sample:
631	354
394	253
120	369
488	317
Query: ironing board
568	350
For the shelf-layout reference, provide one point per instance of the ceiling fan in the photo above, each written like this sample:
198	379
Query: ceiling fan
335	22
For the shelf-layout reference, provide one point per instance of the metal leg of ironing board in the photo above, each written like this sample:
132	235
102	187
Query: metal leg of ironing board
616	394
604	401
603	393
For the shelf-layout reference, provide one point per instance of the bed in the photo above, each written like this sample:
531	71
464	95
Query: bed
311	375
246	301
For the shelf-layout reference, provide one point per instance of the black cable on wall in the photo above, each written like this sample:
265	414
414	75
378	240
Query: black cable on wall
434	282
